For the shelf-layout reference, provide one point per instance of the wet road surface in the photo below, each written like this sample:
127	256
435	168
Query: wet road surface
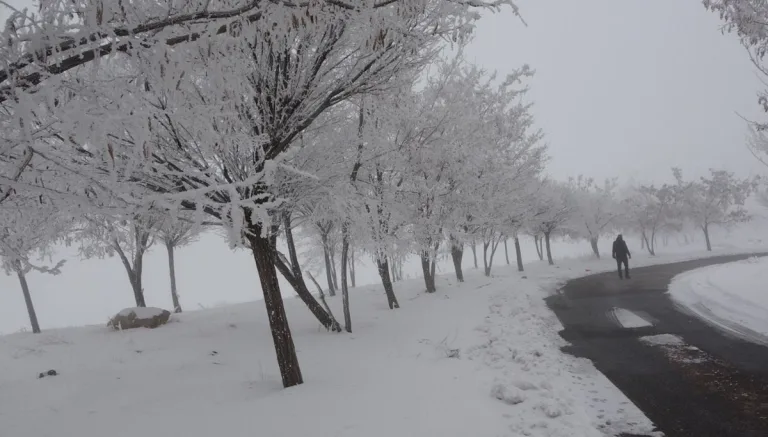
690	378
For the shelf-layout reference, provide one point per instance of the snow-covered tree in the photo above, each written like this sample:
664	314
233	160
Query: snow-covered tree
30	227
176	233
595	209
553	207
130	238
748	19
717	200
649	210
203	100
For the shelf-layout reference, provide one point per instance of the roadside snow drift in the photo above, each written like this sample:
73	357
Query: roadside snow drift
731	296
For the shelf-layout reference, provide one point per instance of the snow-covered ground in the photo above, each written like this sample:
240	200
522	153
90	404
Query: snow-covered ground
731	296
213	371
480	358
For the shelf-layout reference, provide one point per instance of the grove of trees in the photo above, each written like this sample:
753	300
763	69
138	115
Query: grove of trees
348	130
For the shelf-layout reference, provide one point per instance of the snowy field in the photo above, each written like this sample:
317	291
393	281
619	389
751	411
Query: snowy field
480	358
731	296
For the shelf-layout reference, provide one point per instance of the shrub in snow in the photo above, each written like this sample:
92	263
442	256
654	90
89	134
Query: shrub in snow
508	395
130	318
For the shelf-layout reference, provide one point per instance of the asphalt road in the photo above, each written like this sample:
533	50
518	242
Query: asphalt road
715	384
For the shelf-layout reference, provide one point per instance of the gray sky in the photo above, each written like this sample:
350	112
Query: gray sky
623	88
629	88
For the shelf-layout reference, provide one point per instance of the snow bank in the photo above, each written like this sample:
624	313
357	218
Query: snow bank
731	296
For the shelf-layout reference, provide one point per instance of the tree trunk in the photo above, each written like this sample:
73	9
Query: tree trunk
291	271
429	279
539	251
134	274
474	253
285	350
595	249
493	244
28	299
642	240
138	291
506	251
705	228
432	266
328	269
334	275
172	271
344	285
382	263
352	267
322	296
549	249
648	244
519	254
457	253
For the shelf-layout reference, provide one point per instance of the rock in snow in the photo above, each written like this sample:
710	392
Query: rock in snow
130	318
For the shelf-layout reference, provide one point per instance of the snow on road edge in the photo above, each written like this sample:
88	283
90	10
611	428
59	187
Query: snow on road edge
728	296
569	394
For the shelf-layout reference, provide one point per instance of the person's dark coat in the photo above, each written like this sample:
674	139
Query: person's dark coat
620	249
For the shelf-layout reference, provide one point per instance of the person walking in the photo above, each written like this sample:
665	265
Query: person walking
621	255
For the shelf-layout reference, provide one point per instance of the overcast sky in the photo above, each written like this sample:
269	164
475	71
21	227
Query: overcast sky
629	88
623	88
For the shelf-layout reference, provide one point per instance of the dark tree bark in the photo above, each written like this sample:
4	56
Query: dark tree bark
264	256
457	253
549	248
172	271
291	271
429	279
493	244
352	266
135	270
382	264
648	244
134	277
595	249
328	268
344	285
506	251
432	265
474	253
705	228
539	250
27	298
519	254
322	296
334	274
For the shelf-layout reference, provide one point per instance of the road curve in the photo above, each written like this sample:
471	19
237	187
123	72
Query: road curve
690	378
